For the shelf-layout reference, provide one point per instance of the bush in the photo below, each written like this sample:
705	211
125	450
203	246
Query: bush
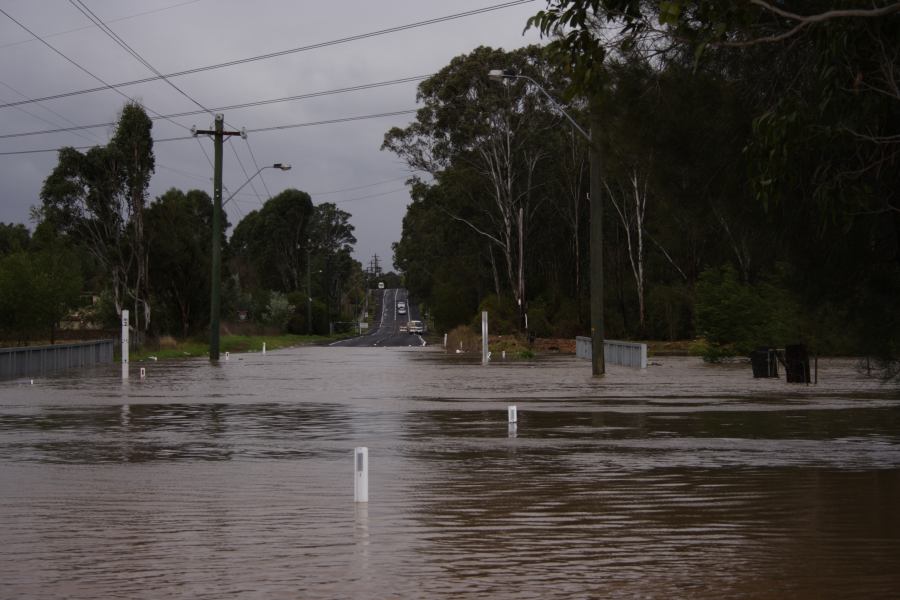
463	338
279	311
503	315
735	317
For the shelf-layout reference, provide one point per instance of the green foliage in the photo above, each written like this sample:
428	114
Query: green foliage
178	233
270	245
97	200
36	291
502	312
278	311
735	317
13	238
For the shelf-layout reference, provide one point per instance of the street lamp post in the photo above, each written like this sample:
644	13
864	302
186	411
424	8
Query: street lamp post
216	283
598	363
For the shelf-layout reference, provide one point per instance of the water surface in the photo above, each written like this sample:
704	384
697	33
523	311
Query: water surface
235	480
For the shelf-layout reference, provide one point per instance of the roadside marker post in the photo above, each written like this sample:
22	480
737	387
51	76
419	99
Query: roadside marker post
361	474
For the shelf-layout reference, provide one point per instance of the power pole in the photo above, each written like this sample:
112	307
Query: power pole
216	254
308	294
598	362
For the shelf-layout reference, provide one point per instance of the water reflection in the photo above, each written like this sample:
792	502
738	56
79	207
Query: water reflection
236	480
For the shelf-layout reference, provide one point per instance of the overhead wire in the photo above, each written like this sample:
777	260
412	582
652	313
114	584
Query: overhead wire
125	18
261	129
246	174
91	16
255	103
81	68
262	179
50	110
279	53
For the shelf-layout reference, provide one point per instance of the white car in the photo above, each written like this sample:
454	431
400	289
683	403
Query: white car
401	308
415	327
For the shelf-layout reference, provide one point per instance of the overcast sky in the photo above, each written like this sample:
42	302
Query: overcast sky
338	162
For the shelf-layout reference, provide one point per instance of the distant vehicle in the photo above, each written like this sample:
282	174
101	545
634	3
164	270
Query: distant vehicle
415	327
401	308
380	285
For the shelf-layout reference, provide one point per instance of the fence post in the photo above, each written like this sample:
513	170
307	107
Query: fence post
124	344
485	355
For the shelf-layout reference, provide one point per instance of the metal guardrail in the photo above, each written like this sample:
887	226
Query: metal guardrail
31	361
615	352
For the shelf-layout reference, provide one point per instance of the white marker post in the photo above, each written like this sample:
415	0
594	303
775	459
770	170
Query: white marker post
485	355
227	356
143	372
264	347
445	340
124	344
361	474
513	414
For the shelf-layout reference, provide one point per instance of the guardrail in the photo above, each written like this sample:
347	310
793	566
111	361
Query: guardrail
615	352
31	361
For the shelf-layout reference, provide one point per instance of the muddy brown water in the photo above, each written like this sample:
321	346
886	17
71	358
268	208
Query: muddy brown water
236	481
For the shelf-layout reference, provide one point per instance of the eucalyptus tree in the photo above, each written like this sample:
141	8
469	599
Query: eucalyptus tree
178	228
270	243
489	143
821	155
97	199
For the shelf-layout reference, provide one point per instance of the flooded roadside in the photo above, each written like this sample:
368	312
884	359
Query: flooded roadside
684	480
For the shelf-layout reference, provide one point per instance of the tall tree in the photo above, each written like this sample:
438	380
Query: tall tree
488	140
272	241
97	198
178	227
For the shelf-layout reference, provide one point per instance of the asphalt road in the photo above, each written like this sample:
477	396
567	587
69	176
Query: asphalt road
386	329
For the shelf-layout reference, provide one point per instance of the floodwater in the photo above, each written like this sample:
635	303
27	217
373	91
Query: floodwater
236	480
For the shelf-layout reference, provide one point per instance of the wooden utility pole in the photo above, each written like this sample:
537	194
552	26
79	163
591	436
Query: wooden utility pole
598	362
216	253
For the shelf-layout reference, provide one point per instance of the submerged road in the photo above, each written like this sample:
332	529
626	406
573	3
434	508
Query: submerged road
386	329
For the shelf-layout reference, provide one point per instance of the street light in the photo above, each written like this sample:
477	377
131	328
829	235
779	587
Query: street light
598	363
216	283
282	166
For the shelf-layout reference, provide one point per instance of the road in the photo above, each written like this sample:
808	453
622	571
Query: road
386	329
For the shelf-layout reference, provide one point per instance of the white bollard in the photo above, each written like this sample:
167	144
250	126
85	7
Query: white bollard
124	344
361	474
143	372
445	340
504	355
264	347
226	356
513	414
485	355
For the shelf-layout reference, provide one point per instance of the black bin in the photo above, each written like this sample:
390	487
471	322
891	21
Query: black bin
796	363
764	362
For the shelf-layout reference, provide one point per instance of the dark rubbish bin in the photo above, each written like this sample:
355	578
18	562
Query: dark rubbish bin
796	363
764	362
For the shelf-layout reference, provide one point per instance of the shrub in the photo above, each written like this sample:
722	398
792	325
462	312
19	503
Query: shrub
279	311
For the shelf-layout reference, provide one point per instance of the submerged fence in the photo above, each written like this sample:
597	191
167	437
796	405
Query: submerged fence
626	354
31	361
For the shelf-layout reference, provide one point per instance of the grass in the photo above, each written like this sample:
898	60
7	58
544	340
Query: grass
227	343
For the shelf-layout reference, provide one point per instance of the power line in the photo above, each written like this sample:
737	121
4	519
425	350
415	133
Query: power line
125	18
359	187
107	86
355	88
369	196
275	128
48	121
91	16
332	121
344	40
